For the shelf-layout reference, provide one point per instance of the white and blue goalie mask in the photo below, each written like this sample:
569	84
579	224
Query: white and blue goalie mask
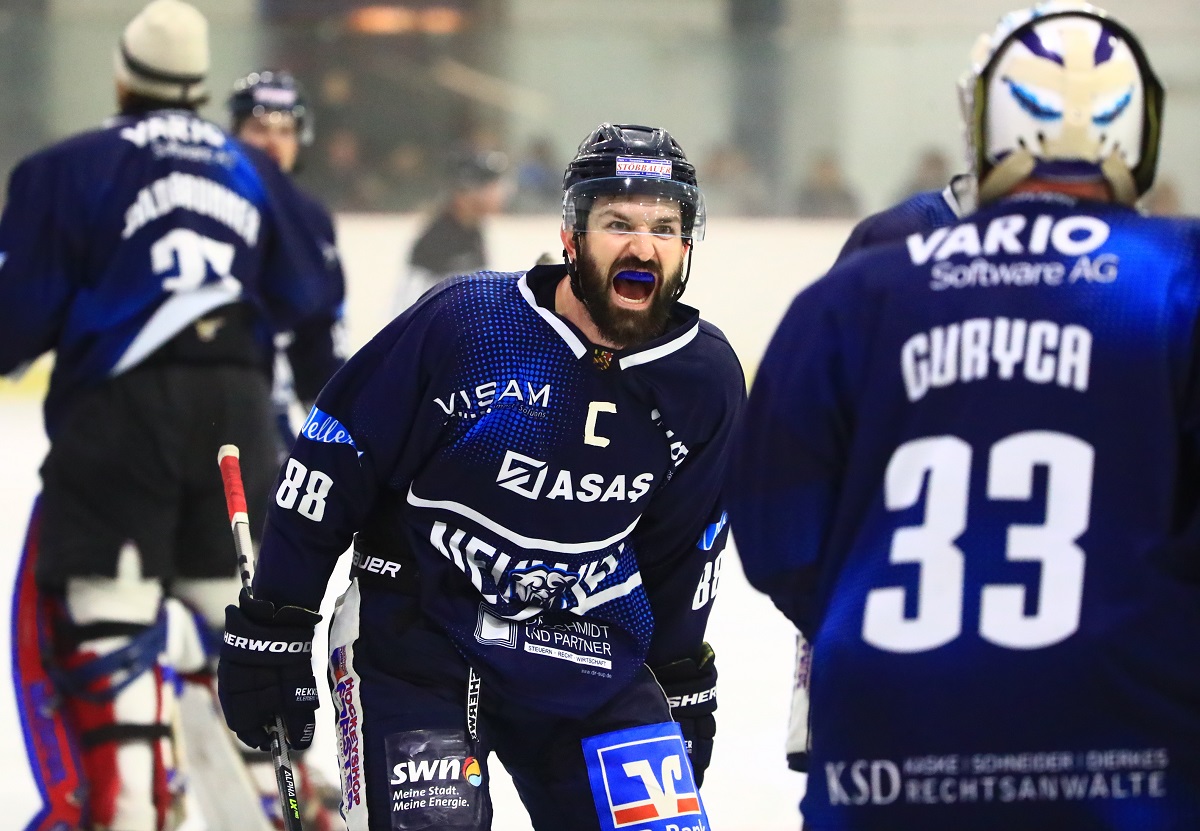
1062	92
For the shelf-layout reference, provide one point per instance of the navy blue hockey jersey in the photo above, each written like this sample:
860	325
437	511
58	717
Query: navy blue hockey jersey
316	348
920	212
560	501
969	474
115	240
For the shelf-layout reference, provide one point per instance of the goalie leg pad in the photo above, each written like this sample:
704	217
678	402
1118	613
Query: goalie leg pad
208	597
120	693
204	600
51	742
191	646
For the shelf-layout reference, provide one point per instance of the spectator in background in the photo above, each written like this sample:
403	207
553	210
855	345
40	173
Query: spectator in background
411	185
452	242
1163	199
825	192
538	179
349	185
931	173
732	187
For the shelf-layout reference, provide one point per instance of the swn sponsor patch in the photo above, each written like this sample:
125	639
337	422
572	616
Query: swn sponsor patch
435	781
641	778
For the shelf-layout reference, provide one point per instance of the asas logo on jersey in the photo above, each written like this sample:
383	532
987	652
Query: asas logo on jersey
438	770
527	476
641	777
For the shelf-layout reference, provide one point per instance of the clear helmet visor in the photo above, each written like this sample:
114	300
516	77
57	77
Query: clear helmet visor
664	208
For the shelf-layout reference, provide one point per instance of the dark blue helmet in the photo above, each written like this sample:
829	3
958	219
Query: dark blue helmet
271	90
631	159
470	170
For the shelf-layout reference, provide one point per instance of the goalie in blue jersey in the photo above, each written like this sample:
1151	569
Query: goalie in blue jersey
967	473
156	257
529	467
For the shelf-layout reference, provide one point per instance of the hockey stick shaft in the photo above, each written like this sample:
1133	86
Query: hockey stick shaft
229	460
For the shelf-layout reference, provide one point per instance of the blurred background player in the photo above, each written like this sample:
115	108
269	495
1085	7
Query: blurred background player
530	468
157	258
921	212
451	243
269	110
967	473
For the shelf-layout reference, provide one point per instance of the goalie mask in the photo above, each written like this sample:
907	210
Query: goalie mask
1062	92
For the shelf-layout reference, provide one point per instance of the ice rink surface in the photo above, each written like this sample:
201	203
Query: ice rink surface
747	788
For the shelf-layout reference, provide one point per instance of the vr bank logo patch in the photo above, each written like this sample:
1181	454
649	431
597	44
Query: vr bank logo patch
641	777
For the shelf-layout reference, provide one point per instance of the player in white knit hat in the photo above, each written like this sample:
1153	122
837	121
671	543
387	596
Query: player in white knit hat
163	55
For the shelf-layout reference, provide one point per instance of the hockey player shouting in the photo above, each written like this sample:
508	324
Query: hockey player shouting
968	474
530	468
156	257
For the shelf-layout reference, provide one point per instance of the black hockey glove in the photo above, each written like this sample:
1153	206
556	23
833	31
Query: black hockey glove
691	688
266	671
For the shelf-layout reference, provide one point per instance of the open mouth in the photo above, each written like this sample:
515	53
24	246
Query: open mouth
634	286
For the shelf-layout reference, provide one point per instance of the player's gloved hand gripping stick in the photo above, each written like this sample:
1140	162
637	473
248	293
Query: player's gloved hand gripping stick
264	678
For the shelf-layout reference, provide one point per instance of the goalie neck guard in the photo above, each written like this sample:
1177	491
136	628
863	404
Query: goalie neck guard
1062	92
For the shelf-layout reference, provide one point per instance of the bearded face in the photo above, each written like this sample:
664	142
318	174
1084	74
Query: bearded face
630	265
617	321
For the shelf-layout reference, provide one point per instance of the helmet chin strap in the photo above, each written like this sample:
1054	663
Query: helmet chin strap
687	272
573	271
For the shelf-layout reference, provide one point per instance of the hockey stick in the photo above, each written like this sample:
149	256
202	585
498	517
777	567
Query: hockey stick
228	458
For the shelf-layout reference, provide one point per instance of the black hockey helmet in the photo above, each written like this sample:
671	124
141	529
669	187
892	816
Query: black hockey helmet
475	169
631	159
271	90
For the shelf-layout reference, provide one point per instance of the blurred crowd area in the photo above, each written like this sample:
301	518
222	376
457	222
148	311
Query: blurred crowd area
810	108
